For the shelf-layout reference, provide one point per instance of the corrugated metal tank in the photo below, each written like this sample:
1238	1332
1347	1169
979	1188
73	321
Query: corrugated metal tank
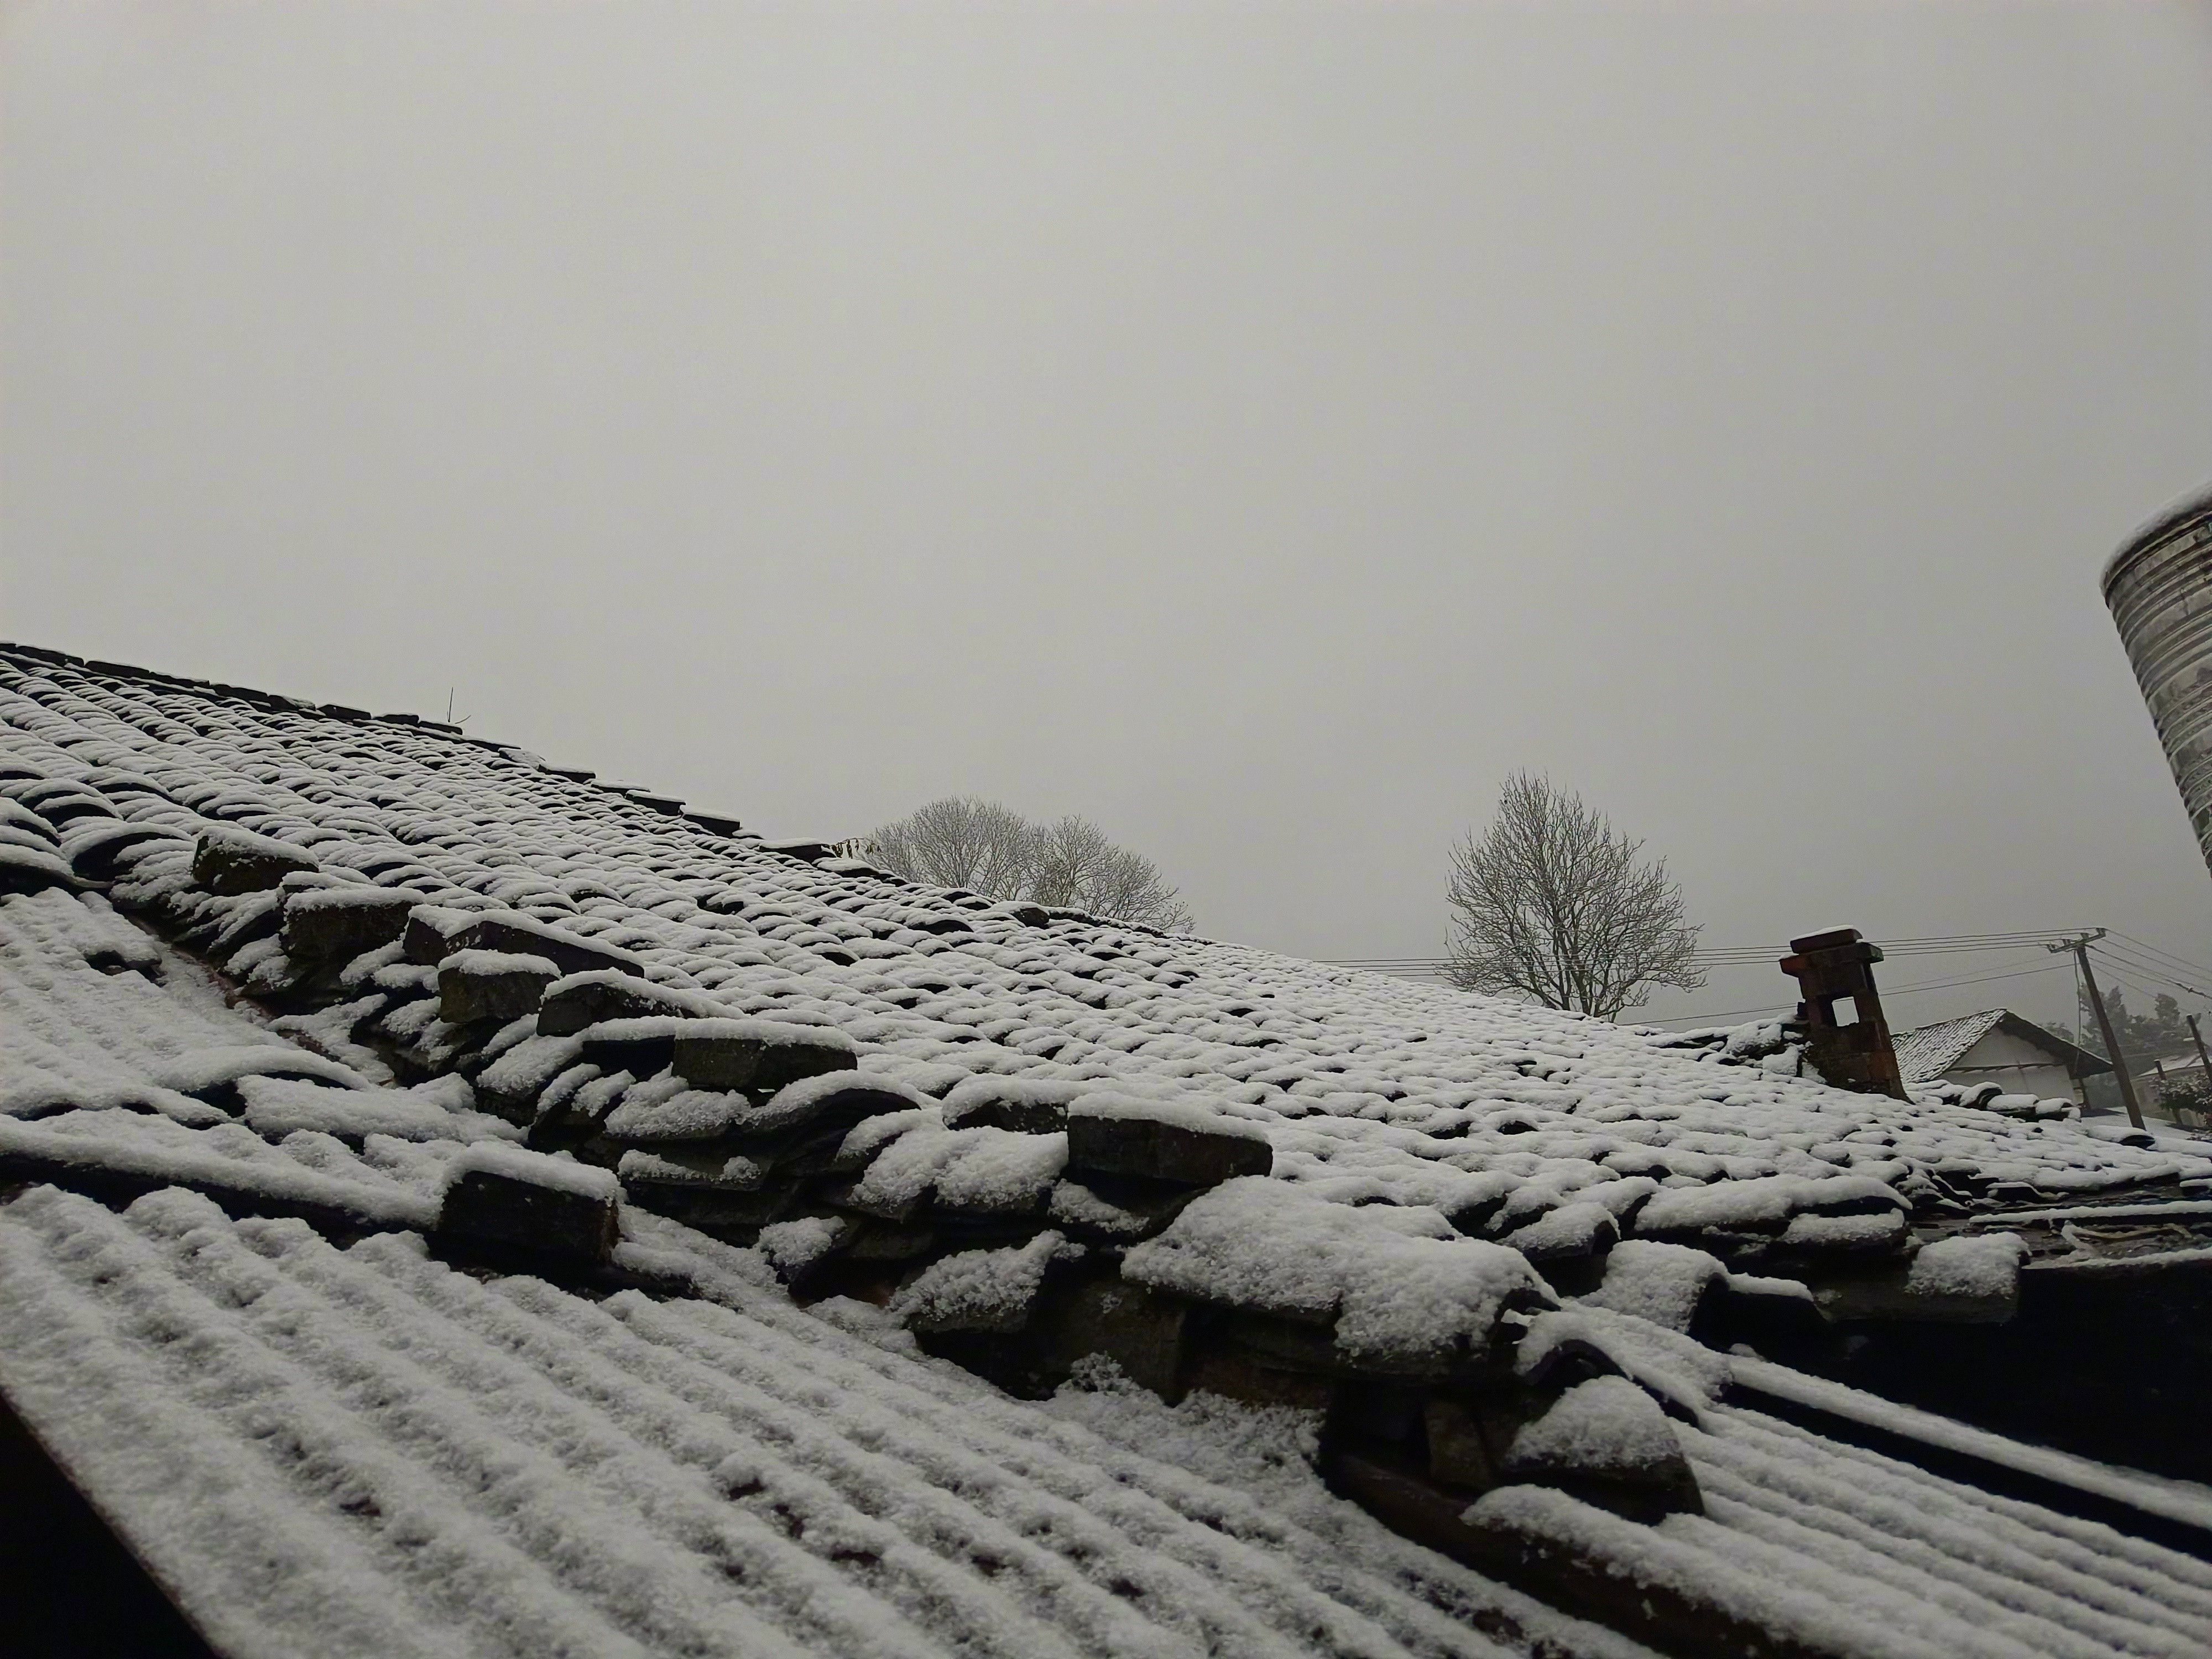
2159	587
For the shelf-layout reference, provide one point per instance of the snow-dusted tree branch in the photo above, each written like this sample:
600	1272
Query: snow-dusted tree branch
959	841
1553	903
963	842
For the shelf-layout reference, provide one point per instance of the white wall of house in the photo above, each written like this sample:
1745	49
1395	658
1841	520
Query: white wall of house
2017	1064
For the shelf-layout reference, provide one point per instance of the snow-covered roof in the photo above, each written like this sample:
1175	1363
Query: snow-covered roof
1929	1051
1926	1052
1369	1089
840	1130
366	1451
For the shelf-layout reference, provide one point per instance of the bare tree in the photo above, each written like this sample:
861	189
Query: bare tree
959	841
1076	866
963	842
1552	902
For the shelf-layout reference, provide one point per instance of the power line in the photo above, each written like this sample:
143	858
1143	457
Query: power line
1978	979
2124	976
2123	966
1726	1013
1759	953
2150	966
1938	944
1436	967
1731	955
2163	954
1888	991
2146	948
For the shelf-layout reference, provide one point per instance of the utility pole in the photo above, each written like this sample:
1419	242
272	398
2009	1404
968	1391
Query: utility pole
2202	1059
2080	946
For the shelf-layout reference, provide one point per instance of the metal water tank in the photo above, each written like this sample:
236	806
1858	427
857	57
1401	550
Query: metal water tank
2159	587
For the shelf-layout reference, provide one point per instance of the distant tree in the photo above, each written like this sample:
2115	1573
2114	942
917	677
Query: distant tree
1553	903
960	842
2156	1036
987	848
1078	867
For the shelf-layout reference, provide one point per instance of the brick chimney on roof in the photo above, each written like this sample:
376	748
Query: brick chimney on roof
1855	1054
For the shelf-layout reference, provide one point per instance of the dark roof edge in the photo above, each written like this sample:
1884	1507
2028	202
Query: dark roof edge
2079	1061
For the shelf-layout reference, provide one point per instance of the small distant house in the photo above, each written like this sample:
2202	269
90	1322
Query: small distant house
1997	1046
2167	1070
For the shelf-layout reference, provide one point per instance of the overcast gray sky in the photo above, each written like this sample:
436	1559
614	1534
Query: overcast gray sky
1260	427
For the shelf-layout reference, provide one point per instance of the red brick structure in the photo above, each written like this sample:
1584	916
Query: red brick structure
1851	1055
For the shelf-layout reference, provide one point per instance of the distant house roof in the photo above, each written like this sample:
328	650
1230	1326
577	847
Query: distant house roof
1924	1055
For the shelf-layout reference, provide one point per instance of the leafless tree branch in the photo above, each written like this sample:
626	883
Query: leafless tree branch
985	847
1553	903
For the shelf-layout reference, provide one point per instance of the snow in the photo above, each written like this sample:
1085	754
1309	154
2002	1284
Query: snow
531	1065
982	1170
231	838
329	1032
999	1170
665	1110
1399	1301
561	1173
366	1452
2168	1499
1183	1116
1606	1426
2120	1264
1578	1229
973	1091
119	1144
1984	1265
794	1245
2198	1210
1669	1365
1682	1556
732	1172
1070	1204
485	964
1662	1282
767	1033
444	919
1844	1232
2118	1135
982	1290
2187	505
799	1103
1394	1090
202	1069
276	1107
335	895
1899	1545
1767	1200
